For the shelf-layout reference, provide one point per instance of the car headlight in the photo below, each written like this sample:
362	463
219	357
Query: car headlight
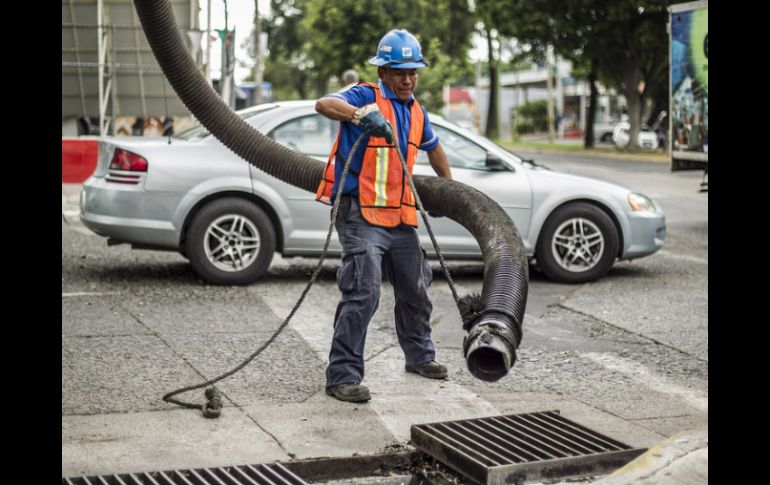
640	203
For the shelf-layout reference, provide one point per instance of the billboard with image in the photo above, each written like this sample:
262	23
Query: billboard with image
689	114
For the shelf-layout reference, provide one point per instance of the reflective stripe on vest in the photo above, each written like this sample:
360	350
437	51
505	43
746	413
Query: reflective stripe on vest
381	180
384	194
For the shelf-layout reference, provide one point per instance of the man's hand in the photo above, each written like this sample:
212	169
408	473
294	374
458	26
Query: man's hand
370	119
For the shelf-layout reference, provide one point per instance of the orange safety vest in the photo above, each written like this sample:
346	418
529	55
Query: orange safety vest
383	192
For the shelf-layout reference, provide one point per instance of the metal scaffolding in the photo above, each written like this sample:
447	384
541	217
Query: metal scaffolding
108	68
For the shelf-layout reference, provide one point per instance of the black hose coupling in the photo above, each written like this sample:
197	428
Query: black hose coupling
213	407
490	347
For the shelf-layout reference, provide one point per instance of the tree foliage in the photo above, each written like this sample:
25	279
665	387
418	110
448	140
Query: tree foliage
288	65
315	41
635	57
622	43
617	42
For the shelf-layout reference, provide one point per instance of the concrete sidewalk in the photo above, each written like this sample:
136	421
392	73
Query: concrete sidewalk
126	344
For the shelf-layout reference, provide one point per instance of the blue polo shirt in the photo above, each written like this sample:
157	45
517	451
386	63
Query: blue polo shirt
361	95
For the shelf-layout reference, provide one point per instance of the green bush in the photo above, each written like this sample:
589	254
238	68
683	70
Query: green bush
524	127
532	116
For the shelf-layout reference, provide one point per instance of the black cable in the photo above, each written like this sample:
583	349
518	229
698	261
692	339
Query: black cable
428	228
504	291
213	406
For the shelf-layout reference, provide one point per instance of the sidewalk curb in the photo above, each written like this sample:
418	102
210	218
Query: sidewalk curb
619	156
352	467
680	459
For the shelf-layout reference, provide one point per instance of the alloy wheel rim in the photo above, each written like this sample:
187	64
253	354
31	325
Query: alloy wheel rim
231	243
577	245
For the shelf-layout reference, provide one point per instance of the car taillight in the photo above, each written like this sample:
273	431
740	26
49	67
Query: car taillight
125	160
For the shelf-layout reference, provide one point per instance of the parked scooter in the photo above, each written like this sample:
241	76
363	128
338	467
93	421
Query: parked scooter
648	136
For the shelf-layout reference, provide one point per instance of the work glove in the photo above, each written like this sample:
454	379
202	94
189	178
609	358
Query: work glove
371	121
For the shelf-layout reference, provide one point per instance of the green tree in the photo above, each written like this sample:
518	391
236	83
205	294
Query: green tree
499	20
567	26
639	51
491	14
287	64
315	41
343	33
620	42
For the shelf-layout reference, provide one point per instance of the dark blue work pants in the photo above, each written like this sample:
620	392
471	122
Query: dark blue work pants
370	252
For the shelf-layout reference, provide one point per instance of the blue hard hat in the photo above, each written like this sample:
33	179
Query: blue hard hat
399	49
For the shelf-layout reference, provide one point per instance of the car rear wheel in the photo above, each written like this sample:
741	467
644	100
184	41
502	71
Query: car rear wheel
578	243
230	241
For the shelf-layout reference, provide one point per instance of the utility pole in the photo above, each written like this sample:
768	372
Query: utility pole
477	97
491	128
257	55
228	62
560	100
549	89
515	114
208	42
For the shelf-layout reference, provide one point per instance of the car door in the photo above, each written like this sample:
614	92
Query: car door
308	221
510	188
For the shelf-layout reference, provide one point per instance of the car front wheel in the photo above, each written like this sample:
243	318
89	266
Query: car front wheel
578	243
230	241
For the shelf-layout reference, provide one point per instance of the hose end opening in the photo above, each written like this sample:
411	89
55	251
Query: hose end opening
488	354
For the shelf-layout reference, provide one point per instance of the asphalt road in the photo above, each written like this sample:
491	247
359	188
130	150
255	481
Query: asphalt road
680	287
627	354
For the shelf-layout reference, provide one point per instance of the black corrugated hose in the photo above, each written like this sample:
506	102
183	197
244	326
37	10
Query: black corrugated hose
494	322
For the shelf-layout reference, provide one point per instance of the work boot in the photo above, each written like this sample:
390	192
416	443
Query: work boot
431	369
349	392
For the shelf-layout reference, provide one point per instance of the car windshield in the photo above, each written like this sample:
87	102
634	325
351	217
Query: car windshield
199	131
471	134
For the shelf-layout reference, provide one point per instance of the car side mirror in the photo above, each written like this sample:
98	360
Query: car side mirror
495	163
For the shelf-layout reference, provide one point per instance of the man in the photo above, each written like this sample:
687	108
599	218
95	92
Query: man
377	216
349	79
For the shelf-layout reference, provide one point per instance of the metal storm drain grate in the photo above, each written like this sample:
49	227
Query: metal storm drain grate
519	447
271	474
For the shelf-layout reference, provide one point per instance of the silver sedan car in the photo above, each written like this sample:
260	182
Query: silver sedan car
193	195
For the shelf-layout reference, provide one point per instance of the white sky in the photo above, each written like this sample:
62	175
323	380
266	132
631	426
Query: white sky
240	13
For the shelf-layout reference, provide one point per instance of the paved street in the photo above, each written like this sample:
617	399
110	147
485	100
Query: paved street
626	356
